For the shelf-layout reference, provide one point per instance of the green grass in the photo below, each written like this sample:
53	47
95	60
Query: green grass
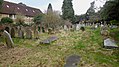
87	44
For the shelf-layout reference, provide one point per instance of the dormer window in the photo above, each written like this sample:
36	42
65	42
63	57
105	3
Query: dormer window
26	9
18	8
33	11
8	6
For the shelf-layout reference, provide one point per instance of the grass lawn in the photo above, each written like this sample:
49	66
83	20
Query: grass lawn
87	44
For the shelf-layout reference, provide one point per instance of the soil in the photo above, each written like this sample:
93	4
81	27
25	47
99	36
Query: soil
13	55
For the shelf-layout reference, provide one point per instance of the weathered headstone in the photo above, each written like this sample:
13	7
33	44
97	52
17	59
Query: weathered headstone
78	26
28	34
65	27
104	30
20	33
8	39
12	32
109	43
72	61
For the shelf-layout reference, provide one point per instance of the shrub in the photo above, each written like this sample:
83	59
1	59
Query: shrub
6	20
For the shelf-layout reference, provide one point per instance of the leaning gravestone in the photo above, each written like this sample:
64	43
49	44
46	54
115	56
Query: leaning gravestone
109	43
72	61
28	34
12	32
8	39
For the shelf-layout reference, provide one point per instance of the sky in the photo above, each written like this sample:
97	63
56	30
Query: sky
80	6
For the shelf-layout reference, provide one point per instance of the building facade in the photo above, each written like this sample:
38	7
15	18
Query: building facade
14	10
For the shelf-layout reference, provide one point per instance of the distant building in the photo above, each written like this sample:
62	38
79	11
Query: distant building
11	10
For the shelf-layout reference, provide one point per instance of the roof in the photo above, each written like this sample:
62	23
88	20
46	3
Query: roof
13	8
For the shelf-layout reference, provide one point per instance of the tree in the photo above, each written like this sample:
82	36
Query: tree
90	14
110	10
38	20
20	19
7	20
52	20
1	2
49	9
67	10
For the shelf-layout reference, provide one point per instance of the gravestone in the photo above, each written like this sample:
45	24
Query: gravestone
49	40
12	32
96	26
28	34
36	34
65	27
8	39
104	30
78	26
109	43
20	33
72	61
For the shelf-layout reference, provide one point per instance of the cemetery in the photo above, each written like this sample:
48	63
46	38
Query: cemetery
51	40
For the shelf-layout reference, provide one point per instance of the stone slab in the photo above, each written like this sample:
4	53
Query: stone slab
72	61
49	40
109	43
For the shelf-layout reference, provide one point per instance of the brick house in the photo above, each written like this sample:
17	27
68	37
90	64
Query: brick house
12	10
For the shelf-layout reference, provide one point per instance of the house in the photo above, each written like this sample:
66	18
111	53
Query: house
12	10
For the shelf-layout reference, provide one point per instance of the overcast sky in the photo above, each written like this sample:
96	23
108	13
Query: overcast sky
80	6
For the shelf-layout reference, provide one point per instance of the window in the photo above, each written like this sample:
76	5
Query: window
10	15
7	6
33	11
26	9
18	8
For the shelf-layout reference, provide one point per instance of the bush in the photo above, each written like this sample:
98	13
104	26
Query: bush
6	20
115	22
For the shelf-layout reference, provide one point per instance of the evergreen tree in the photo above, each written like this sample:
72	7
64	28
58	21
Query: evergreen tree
67	10
1	2
49	9
110	10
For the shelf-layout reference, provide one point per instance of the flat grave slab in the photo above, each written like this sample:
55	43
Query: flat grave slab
49	40
72	61
109	43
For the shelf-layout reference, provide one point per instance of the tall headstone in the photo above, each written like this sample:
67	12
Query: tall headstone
28	34
20	33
